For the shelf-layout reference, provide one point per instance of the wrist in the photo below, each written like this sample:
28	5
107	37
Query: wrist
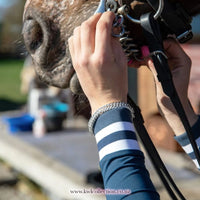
106	108
191	115
175	122
95	105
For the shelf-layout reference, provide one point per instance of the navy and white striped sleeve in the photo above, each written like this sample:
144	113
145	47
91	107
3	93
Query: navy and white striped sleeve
186	145
121	160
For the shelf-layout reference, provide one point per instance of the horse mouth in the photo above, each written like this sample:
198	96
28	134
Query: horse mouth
46	41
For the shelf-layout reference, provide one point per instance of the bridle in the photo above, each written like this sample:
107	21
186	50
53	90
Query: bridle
168	19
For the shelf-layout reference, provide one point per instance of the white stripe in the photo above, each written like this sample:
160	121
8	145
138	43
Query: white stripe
117	126
196	163
188	148
118	146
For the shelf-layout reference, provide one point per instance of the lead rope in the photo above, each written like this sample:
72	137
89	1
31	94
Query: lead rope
157	162
153	36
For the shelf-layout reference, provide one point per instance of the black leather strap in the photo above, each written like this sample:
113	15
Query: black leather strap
175	18
152	34
157	162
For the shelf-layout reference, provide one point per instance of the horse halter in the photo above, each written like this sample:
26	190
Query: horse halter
173	19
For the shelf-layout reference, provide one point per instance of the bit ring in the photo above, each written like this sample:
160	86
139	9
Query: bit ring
124	11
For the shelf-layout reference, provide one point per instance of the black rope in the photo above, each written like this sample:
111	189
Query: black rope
170	91
153	36
158	164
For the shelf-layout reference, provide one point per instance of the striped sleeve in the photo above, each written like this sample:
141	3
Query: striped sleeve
121	160
183	140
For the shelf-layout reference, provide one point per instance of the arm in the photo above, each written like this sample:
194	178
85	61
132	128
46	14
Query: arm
180	65
101	67
121	160
185	143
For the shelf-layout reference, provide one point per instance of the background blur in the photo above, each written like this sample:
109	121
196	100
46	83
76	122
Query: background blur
12	58
12	54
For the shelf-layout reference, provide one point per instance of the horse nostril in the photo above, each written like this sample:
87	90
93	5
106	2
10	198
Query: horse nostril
33	35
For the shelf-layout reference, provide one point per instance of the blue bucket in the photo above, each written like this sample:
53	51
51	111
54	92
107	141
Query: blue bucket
19	124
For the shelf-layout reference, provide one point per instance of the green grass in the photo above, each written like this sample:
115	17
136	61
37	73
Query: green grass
10	96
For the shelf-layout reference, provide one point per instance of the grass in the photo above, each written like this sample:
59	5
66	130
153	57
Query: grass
10	96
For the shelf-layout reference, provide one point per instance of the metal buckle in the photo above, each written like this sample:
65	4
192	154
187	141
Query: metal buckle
124	11
184	37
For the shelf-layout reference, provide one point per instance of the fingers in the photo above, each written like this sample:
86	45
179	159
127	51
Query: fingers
172	48
137	64
75	46
103	33
71	46
88	29
83	43
176	55
71	49
96	56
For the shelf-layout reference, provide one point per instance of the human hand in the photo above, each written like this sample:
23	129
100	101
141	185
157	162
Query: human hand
99	61
180	65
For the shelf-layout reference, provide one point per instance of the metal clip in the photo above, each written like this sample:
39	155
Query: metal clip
118	23
102	7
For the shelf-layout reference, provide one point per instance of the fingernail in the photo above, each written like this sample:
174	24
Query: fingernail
145	51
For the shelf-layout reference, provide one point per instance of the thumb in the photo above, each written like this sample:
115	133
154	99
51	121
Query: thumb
151	66
176	55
